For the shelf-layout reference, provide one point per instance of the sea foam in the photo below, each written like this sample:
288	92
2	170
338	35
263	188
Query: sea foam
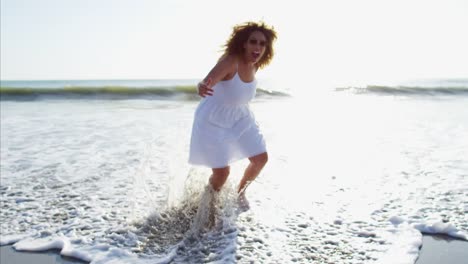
106	181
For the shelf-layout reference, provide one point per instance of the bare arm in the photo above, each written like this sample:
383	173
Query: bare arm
224	68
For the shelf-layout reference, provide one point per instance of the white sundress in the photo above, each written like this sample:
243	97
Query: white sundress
224	129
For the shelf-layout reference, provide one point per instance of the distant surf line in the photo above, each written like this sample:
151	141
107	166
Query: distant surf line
179	92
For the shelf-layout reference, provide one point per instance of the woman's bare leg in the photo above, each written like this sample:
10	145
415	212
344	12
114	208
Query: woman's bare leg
217	180
219	177
253	170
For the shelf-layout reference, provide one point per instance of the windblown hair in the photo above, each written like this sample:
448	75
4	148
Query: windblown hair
240	35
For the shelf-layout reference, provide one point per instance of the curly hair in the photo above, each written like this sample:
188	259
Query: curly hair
240	35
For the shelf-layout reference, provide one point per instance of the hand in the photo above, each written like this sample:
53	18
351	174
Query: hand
204	88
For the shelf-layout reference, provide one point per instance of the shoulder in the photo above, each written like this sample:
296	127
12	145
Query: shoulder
228	62
227	66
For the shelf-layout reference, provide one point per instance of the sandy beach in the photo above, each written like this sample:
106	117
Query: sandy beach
435	250
107	179
362	115
442	249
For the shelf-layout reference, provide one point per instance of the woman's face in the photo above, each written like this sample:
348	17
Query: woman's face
255	46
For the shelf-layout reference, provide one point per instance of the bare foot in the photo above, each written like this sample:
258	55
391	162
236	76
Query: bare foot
212	214
242	202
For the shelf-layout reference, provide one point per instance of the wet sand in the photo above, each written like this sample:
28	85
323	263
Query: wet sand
8	255
436	249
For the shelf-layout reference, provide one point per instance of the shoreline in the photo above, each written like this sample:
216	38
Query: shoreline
435	249
9	255
438	248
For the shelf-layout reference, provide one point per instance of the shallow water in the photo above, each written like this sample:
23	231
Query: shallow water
350	179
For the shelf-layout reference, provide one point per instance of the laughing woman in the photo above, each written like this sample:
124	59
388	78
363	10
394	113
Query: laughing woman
224	128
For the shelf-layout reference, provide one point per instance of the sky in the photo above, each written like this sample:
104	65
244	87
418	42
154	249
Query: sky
173	39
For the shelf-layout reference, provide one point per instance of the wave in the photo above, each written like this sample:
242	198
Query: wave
187	92
406	90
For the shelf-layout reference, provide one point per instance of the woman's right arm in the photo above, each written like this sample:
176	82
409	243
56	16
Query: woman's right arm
223	69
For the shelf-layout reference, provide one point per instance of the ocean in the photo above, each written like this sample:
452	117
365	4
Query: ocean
356	173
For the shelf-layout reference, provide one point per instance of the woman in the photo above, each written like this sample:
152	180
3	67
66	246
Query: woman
224	128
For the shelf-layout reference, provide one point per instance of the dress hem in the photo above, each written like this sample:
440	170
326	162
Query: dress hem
228	163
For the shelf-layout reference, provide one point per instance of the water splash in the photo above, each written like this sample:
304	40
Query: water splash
200	225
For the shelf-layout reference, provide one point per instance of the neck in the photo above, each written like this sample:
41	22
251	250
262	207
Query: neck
245	62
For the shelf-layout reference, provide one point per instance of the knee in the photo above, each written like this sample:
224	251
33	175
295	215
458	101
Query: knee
224	173
221	173
259	161
218	178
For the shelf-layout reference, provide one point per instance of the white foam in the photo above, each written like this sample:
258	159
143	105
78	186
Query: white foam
405	242
61	243
396	220
406	237
431	227
94	180
10	239
439	227
95	254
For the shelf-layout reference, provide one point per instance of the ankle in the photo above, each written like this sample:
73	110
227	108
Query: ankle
243	186
215	185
